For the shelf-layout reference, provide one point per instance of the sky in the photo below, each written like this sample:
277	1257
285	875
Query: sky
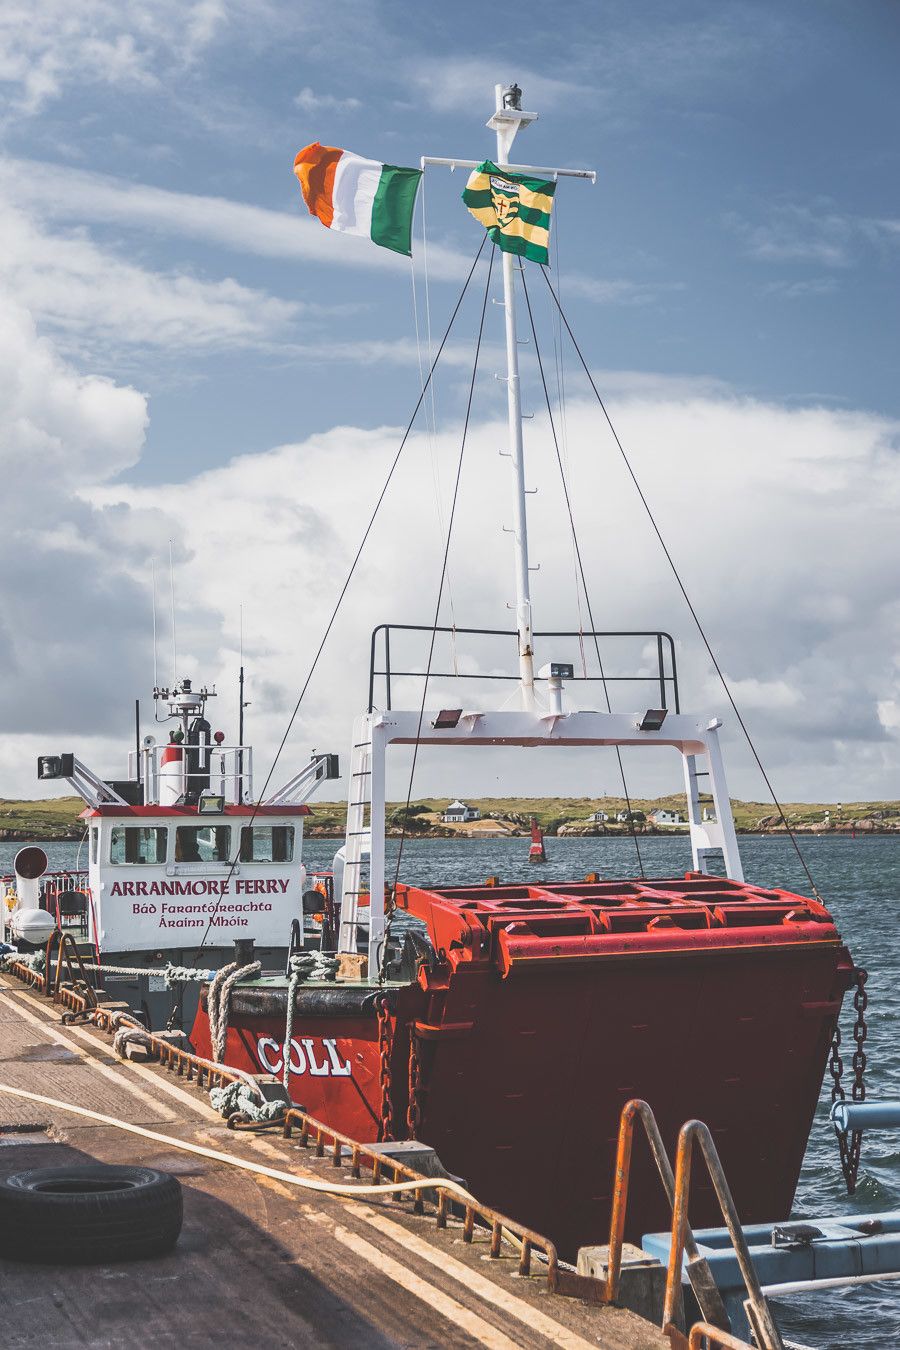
187	356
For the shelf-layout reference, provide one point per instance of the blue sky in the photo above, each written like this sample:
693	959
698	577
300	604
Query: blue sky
739	252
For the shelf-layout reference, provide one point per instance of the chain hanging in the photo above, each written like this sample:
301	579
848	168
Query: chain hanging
385	1046
414	1110
850	1142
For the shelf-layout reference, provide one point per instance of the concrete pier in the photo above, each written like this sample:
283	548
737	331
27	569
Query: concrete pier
259	1263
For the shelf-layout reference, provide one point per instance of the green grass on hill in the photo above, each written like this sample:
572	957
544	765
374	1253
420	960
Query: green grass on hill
53	817
57	817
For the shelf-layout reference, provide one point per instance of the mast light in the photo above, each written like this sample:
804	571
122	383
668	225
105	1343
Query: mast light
653	719
447	719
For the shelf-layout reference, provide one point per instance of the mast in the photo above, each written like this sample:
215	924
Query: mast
506	121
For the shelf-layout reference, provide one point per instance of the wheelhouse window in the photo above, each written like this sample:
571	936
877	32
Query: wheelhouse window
138	844
95	843
267	843
203	843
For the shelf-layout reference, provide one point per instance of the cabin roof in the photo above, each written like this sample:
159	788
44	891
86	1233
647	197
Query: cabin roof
191	812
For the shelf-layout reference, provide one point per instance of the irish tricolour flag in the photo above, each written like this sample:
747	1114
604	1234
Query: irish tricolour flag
359	196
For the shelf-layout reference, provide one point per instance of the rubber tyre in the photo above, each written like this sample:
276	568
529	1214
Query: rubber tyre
89	1215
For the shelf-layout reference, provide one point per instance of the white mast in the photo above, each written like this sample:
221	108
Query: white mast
506	121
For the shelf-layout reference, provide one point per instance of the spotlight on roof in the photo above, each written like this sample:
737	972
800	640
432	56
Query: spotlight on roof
653	719
211	804
561	670
447	719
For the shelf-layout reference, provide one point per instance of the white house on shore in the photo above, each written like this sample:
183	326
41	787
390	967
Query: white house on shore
663	817
458	813
598	817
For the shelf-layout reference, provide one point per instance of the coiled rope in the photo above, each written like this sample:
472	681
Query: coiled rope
303	966
240	1097
218	1002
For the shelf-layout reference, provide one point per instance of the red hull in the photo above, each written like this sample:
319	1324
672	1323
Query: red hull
548	1008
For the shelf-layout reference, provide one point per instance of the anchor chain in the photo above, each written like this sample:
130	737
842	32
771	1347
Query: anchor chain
385	1046
850	1143
414	1110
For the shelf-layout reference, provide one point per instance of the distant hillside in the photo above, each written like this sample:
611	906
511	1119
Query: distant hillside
52	818
57	817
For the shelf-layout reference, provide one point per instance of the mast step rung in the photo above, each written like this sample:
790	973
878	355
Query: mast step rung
362	745
354	833
362	773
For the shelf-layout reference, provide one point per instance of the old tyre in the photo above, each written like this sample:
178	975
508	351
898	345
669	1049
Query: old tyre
88	1215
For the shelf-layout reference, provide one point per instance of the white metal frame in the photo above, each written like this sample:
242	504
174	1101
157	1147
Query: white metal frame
694	738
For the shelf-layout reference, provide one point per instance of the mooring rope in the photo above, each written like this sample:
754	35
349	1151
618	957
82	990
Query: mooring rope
245	1164
301	967
240	1097
218	1002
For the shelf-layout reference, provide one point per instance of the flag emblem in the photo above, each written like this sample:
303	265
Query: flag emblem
505	199
514	210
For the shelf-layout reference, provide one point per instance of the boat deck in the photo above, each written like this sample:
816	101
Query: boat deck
259	1263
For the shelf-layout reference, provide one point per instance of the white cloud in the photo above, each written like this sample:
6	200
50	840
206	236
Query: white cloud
96	298
310	101
801	289
811	232
751	497
451	83
124	43
72	612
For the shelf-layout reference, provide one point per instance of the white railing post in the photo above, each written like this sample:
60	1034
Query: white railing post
376	853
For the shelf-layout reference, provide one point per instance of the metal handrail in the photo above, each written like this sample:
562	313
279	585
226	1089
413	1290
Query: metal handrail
714	1337
662	678
699	1273
759	1314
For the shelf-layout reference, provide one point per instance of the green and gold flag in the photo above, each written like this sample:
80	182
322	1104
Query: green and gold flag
514	210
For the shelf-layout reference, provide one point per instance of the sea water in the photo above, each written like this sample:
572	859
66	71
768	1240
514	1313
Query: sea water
858	879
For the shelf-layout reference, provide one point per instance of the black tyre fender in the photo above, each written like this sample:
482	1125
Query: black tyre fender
83	1215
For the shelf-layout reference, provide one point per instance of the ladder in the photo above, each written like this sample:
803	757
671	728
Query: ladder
711	836
359	835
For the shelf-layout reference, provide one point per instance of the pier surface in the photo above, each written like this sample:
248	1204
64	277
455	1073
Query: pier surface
259	1262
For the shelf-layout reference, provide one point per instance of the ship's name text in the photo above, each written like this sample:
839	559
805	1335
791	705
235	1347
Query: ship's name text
243	886
303	1057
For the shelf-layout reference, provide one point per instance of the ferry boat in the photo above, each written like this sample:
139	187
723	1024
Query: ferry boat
182	860
504	1024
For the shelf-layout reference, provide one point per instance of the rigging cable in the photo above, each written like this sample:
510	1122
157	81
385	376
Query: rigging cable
564	425
430	422
437	606
687	599
346	585
580	566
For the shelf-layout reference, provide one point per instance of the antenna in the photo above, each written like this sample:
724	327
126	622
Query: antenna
155	656
174	639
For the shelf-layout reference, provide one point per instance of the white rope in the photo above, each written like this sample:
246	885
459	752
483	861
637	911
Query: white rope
304	966
131	1034
171	973
308	1184
33	960
240	1097
218	1002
